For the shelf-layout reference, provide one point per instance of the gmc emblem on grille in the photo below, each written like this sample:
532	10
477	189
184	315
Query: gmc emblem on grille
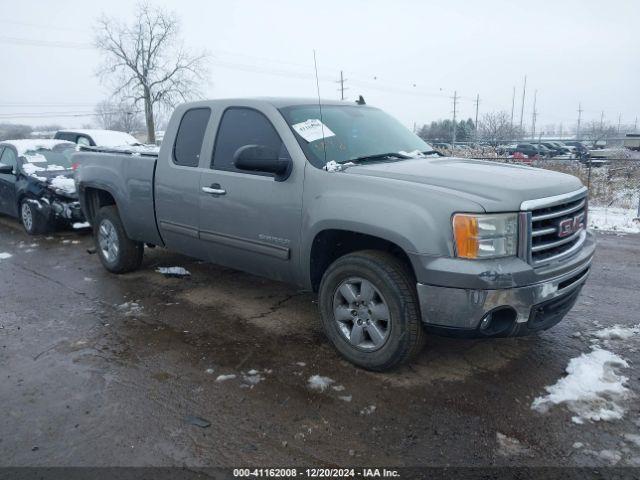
569	226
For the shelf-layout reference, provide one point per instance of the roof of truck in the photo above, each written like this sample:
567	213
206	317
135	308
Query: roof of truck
278	102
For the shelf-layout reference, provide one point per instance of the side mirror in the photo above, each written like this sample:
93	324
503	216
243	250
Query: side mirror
6	169
258	158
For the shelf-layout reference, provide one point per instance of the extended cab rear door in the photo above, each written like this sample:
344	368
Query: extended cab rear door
177	181
248	220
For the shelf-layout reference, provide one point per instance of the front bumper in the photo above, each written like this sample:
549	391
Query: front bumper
501	312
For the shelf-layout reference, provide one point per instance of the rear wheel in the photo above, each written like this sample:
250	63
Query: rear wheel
369	309
33	221
117	252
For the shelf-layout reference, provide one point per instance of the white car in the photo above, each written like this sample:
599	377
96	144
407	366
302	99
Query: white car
97	138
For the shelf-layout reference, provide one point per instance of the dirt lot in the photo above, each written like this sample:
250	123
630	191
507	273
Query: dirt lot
108	370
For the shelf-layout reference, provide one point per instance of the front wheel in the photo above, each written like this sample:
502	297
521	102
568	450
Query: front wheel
33	221
369	310
117	252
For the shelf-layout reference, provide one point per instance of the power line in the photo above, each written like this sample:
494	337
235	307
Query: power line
44	43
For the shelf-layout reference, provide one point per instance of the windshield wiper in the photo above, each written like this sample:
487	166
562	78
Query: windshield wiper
379	156
432	152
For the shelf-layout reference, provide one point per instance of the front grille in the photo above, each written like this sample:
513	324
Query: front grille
558	230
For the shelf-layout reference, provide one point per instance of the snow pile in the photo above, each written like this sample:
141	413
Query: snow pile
368	410
79	225
252	378
614	219
131	309
591	388
617	332
64	184
5	255
508	446
173	271
320	383
223	378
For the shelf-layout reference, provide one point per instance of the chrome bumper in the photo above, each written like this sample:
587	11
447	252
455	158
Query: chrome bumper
457	308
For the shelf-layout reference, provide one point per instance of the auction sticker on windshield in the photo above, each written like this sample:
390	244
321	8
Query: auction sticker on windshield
312	130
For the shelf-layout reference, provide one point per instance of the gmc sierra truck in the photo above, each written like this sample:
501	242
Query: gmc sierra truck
343	200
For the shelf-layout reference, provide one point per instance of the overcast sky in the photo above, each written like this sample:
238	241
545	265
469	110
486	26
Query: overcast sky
406	57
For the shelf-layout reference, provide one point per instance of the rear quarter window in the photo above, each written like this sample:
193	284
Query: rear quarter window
188	144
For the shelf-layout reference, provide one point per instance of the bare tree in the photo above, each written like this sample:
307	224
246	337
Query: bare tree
495	127
148	63
596	131
119	116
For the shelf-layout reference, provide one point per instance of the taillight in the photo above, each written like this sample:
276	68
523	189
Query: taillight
75	165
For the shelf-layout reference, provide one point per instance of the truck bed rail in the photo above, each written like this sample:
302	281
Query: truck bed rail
132	150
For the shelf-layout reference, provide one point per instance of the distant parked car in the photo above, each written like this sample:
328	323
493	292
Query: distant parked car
527	149
97	138
556	149
632	141
36	183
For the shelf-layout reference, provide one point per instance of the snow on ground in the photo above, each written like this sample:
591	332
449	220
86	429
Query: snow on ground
5	255
617	332
614	219
508	446
592	388
173	271
252	378
222	378
131	309
368	410
63	183
318	382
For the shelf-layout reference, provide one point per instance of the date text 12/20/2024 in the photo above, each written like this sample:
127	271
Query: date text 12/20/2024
316	472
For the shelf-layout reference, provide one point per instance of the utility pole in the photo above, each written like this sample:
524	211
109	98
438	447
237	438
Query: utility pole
476	124
602	120
619	121
342	87
513	103
579	119
635	125
534	114
524	90
455	104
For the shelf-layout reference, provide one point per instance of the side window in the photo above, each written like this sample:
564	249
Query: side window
186	150
240	127
82	140
8	157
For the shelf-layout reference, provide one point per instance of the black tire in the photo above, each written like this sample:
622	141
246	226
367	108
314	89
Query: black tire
128	256
394	282
32	219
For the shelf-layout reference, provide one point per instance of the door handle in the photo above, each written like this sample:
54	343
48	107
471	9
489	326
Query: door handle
214	189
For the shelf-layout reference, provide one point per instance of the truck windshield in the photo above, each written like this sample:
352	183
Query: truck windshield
350	132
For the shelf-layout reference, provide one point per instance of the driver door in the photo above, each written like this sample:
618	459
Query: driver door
249	221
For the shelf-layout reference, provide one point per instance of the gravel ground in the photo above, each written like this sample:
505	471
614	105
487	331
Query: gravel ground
213	369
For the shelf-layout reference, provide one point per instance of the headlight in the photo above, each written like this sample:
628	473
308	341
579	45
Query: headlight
485	236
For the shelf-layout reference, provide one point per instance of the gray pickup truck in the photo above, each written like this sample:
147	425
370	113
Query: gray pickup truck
343	200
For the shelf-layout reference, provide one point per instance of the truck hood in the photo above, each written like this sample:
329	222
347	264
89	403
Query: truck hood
497	187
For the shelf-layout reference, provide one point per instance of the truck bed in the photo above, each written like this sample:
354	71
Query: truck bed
128	175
